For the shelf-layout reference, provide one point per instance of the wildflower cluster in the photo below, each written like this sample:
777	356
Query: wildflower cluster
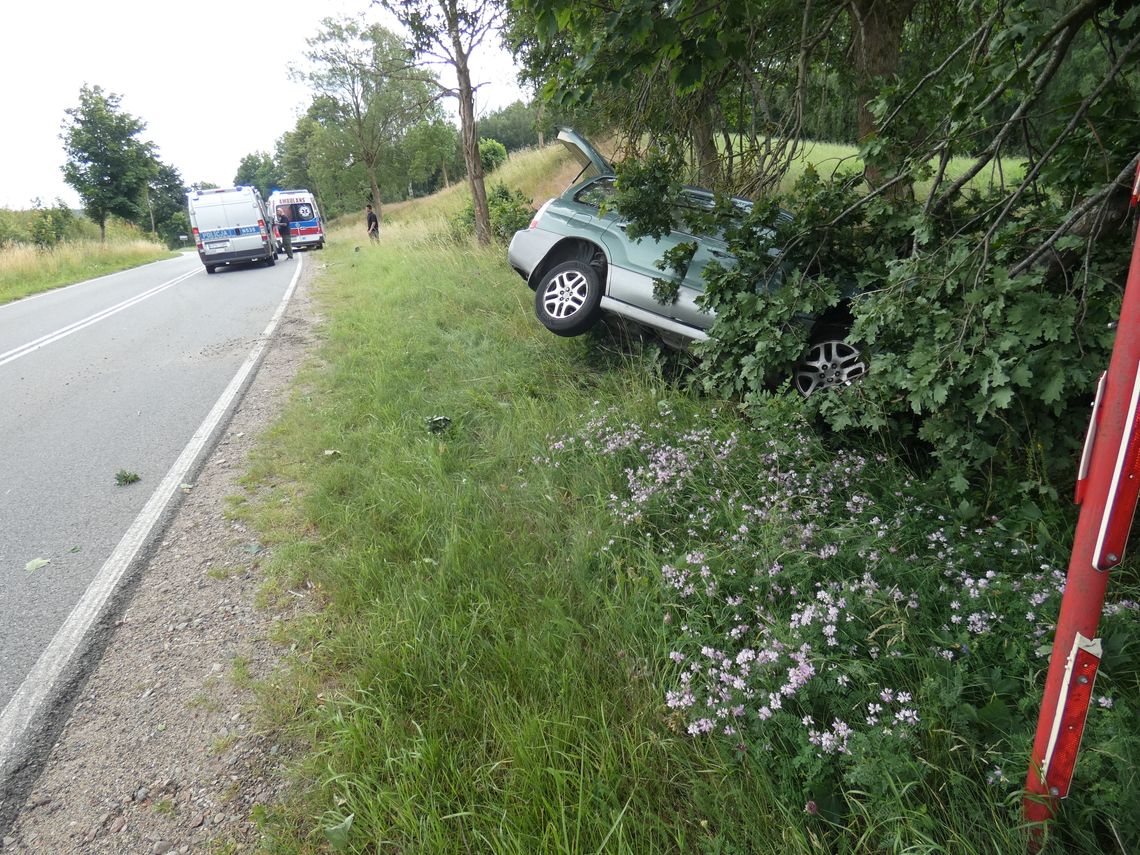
823	608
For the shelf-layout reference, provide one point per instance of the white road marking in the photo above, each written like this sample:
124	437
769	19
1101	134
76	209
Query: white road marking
37	688
44	340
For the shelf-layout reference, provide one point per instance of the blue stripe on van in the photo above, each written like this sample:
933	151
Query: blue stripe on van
223	233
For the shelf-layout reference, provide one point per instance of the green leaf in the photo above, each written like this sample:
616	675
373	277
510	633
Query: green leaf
337	835
35	564
1051	391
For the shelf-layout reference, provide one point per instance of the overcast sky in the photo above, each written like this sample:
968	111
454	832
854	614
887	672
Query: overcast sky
209	78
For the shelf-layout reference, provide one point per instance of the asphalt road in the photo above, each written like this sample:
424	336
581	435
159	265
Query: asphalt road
118	373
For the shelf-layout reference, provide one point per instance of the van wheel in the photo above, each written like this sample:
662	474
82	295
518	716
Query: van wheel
270	261
210	268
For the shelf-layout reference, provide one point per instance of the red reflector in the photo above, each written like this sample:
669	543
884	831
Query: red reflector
1136	186
1120	505
1069	724
1090	437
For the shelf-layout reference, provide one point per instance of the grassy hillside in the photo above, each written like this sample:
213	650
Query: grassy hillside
542	174
568	606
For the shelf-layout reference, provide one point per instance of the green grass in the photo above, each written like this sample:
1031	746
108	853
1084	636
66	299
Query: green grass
486	662
484	681
27	270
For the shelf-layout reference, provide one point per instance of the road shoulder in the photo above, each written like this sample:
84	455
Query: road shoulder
163	752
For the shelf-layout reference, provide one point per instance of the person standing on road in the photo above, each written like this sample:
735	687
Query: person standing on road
283	229
373	225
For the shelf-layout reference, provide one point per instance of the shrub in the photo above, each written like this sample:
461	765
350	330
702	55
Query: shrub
51	225
492	153
510	210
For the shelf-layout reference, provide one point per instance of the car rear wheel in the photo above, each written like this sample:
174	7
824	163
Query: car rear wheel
568	297
829	362
270	261
210	268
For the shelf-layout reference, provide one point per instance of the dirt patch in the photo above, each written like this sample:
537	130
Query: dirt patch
162	752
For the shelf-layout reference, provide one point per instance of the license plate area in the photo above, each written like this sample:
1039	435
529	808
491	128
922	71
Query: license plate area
217	246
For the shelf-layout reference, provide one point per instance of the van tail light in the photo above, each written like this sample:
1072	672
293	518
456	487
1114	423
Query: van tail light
197	239
538	214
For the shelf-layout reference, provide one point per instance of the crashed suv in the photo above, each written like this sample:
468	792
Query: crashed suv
577	258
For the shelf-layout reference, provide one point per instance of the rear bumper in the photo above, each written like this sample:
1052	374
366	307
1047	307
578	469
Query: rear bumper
527	250
211	259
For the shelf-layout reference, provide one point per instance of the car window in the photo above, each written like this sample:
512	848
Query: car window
690	203
597	193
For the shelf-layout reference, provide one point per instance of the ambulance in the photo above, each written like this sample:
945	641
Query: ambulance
230	225
307	229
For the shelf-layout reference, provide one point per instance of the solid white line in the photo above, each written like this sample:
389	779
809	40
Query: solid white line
44	340
34	692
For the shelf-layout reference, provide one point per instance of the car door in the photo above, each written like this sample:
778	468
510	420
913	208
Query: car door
634	267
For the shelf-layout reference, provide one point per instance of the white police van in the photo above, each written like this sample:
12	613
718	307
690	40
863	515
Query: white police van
230	225
306	226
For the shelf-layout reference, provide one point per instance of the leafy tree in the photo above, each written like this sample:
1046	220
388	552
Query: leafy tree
292	152
982	292
167	204
514	126
433	150
107	165
447	32
258	170
369	97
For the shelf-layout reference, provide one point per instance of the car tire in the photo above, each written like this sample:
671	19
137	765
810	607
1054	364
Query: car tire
210	268
830	361
270	261
568	298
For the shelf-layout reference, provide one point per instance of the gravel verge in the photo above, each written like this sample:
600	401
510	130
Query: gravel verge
162	751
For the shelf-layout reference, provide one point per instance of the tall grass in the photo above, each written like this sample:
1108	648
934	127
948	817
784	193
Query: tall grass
26	269
486	682
489	665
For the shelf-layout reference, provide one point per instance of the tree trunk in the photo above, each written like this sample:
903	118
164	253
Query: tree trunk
877	27
103	230
704	142
470	138
446	180
375	188
149	207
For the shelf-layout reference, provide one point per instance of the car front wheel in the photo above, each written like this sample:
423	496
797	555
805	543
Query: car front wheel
568	297
829	362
